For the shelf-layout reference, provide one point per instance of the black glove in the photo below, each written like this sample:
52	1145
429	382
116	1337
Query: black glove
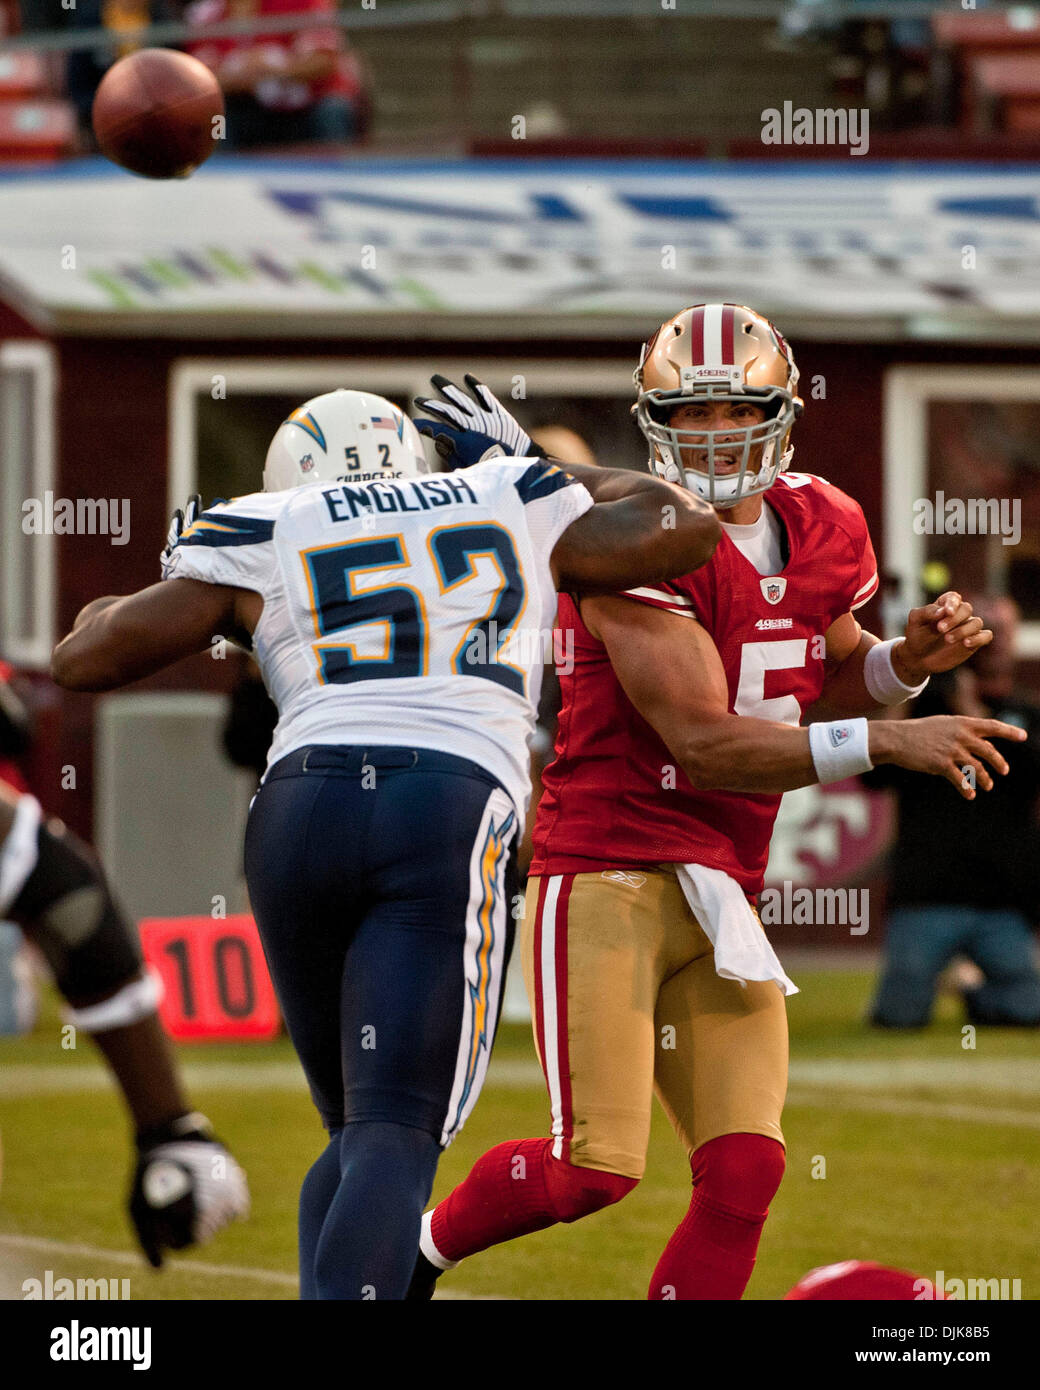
186	1187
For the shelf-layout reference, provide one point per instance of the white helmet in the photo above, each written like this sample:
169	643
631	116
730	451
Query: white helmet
344	436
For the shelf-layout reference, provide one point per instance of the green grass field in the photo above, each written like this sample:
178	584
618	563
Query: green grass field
931	1154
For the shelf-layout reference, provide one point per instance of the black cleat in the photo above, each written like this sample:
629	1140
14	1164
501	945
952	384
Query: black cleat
424	1280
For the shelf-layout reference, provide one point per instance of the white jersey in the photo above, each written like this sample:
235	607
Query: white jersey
416	612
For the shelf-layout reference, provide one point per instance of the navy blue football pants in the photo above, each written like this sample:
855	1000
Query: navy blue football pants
383	885
382	882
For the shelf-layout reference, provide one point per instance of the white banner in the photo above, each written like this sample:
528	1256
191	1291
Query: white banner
301	250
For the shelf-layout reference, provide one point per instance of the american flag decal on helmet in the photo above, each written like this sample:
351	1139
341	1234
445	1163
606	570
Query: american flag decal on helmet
389	422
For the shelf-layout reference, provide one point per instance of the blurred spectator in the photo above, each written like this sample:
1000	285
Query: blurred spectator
282	88
40	17
564	444
251	721
880	61
247	734
965	875
33	16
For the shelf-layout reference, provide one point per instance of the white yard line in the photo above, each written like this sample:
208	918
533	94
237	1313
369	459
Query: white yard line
74	1250
922	1109
29	1079
25	1079
965	1071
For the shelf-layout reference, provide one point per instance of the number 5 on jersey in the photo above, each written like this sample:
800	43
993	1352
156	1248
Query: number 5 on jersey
756	658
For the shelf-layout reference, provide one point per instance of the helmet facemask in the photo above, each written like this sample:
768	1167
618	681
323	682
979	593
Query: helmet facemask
705	355
673	446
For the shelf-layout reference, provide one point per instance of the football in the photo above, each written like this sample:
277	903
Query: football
155	113
853	1280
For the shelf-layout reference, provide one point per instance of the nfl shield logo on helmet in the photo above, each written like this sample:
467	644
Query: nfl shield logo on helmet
773	589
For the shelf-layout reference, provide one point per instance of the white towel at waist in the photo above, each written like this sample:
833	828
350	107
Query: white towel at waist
742	949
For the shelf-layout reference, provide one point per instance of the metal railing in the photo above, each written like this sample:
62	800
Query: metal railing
413	13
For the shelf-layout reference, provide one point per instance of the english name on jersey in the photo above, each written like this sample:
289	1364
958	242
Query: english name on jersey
404	612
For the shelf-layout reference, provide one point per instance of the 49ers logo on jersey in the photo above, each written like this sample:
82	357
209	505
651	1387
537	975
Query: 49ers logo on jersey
773	589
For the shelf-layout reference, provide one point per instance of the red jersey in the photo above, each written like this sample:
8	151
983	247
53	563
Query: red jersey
280	93
614	795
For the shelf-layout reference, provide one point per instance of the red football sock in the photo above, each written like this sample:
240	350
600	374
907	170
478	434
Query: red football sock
516	1188
712	1252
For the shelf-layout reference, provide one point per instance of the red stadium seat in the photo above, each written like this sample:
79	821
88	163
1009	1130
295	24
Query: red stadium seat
22	75
1007	89
962	38
986	31
36	131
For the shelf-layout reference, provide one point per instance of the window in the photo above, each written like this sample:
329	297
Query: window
223	413
27	558
962	484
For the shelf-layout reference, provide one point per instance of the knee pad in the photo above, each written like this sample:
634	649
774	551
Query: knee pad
739	1171
67	909
577	1192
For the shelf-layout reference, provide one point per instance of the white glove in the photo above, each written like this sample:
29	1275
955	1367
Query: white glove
178	525
479	411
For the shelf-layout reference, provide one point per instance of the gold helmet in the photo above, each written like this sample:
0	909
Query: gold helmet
718	352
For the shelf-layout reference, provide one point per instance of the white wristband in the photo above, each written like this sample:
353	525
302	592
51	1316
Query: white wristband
839	750
128	1005
879	675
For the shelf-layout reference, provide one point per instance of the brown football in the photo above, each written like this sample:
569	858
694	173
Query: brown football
154	113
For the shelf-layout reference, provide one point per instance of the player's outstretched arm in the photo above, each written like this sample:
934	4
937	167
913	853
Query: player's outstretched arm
671	670
642	530
864	673
118	640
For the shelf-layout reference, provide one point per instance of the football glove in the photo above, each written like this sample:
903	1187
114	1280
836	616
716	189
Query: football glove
459	448
479	412
178	525
186	1187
